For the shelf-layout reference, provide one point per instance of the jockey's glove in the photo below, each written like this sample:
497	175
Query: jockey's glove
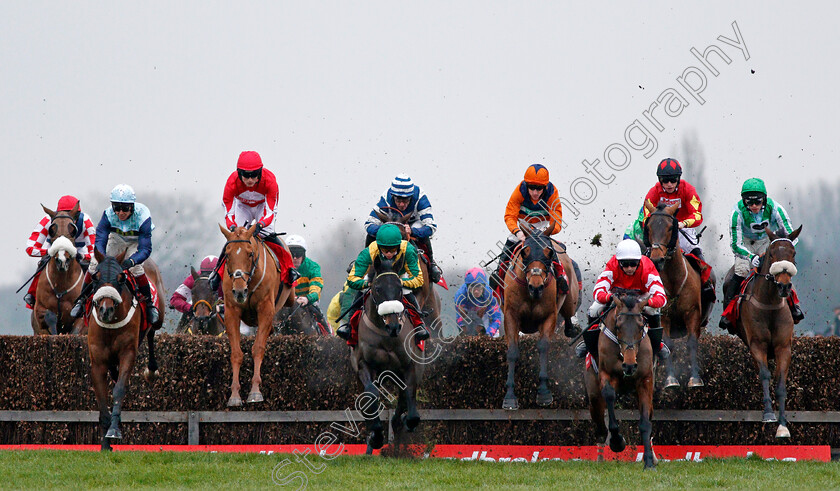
128	264
232	227
258	228
756	260
79	257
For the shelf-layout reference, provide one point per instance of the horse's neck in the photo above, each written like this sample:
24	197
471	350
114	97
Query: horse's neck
764	288
676	271
62	281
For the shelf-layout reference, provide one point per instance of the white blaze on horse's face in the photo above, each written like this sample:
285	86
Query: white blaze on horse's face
62	249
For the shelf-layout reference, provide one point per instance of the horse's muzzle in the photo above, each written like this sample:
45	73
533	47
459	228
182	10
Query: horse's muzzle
784	289
240	296
629	369
106	314
535	291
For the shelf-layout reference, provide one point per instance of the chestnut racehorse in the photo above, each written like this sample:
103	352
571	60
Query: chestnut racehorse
531	302
61	280
114	336
684	313
624	364
765	323
253	292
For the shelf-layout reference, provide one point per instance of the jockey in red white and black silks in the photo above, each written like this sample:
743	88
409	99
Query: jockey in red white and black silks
39	241
475	296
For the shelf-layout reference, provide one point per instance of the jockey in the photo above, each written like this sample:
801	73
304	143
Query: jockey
476	296
671	189
749	241
628	269
635	230
410	200
308	287
181	300
127	227
389	246
39	242
536	201
251	194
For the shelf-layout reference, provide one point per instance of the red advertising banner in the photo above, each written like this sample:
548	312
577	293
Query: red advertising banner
496	453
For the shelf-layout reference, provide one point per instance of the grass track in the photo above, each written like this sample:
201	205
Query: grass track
84	470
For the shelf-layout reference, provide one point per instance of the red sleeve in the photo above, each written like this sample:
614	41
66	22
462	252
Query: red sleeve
228	196
691	209
603	285
179	303
651	199
90	238
653	284
271	192
35	244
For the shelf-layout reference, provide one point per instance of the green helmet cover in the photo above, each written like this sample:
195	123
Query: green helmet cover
753	186
388	235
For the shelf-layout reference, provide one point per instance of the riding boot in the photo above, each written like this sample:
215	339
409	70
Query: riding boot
146	290
590	341
215	278
730	291
434	270
87	288
796	312
422	334
344	331
698	253
655	330
29	298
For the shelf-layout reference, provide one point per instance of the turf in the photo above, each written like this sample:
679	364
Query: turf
86	470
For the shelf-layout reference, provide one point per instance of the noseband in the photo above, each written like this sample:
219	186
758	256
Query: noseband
672	243
254	261
772	276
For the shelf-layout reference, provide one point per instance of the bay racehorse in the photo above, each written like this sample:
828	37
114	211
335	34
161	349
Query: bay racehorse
299	319
54	298
625	364
685	312
532	299
387	351
253	292
117	326
204	317
765	323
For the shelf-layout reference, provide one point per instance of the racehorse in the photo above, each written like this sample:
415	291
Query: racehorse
765	323
118	324
386	349
531	304
204	316
427	296
253	292
54	298
685	312
299	320
624	364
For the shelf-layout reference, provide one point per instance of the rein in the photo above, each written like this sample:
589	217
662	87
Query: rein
254	261
59	295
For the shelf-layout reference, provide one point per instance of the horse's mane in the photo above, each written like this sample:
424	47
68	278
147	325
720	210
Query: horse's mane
661	207
629	297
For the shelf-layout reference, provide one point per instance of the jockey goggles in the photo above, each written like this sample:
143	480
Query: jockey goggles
250	174
122	206
297	251
753	201
535	187
669	179
629	263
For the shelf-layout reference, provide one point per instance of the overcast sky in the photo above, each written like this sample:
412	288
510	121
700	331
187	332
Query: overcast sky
338	97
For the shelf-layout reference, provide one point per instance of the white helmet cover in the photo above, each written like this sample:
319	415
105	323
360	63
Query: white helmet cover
628	249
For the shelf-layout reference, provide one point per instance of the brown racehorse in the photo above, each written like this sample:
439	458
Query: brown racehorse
204	317
531	303
253	292
114	337
427	296
61	280
765	323
625	364
387	350
684	313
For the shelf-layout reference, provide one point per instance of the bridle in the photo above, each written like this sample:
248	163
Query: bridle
672	243
614	338
255	259
770	276
53	228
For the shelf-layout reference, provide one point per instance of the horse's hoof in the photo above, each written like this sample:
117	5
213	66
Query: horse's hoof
671	381
106	448
510	404
544	399
149	376
411	423
769	418
376	440
234	401
114	434
695	382
617	443
782	432
255	397
651	467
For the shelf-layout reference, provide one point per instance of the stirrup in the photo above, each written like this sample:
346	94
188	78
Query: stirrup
422	334
29	299
153	313
580	350
343	332
664	352
78	308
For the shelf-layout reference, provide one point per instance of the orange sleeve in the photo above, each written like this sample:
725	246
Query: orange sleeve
512	210
555	208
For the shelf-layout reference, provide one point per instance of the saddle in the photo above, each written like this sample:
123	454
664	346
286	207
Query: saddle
732	311
699	265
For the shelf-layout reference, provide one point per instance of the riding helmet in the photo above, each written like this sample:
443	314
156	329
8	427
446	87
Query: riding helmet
388	235
628	249
123	193
536	174
402	186
66	203
753	186
669	167
208	264
249	161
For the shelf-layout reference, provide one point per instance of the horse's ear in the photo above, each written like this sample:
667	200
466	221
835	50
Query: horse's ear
548	230
48	211
194	273
770	234
524	253
377	264
672	210
643	300
384	218
793	235
405	218
98	255
75	211
121	256
547	251
227	233
251	230
649	207
525	227
398	266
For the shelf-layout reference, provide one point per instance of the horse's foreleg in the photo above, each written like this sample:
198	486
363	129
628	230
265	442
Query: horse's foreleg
782	364
617	442
694	330
510	401
759	354
232	329
151	372
596	404
413	416
544	397
670	378
258	351
99	378
120	390
369	406
645	391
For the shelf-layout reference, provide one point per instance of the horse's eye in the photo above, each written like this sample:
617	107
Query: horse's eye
52	230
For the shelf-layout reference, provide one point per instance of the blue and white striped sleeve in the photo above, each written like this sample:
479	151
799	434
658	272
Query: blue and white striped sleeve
373	222
425	227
